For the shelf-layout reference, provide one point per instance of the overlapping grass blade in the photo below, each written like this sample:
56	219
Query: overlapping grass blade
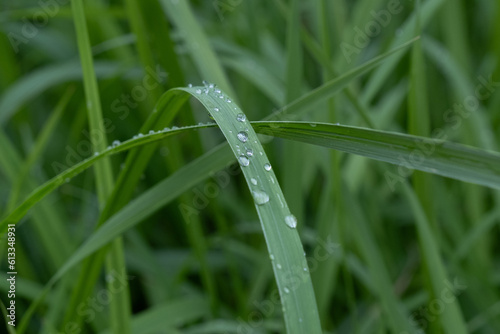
440	157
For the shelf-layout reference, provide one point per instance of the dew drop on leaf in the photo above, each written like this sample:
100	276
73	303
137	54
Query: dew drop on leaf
244	161
241	117
260	197
242	136
291	221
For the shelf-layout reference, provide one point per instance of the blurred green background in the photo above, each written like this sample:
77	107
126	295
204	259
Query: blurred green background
384	257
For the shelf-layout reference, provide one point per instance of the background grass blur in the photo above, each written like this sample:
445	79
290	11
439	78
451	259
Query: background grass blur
388	249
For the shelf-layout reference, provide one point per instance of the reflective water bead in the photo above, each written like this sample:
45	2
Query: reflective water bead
243	160
291	221
242	136
241	117
260	197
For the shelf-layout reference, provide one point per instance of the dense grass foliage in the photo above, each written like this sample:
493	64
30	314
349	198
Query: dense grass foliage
230	166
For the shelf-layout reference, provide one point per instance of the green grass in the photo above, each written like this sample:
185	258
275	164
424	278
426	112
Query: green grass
379	213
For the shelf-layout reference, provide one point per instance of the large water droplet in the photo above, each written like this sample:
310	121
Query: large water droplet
260	197
267	167
244	161
241	117
242	136
291	221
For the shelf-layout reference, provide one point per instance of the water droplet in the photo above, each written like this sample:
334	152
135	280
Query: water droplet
221	96
271	257
300	319
116	143
228	101
305	268
166	129
260	197
96	153
313	125
249	152
216	109
278	266
190	85
205	83
267	167
217	91
151	132
175	127
241	117
211	86
254	181
139	135
242	136
286	290
198	91
291	221
243	160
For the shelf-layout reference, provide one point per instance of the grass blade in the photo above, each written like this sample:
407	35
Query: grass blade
443	158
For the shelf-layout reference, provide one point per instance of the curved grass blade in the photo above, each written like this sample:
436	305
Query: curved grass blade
430	155
283	242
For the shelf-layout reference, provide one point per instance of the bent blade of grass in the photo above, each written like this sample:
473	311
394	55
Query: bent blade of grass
443	158
278	224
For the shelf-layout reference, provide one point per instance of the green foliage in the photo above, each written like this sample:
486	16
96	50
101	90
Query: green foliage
380	121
